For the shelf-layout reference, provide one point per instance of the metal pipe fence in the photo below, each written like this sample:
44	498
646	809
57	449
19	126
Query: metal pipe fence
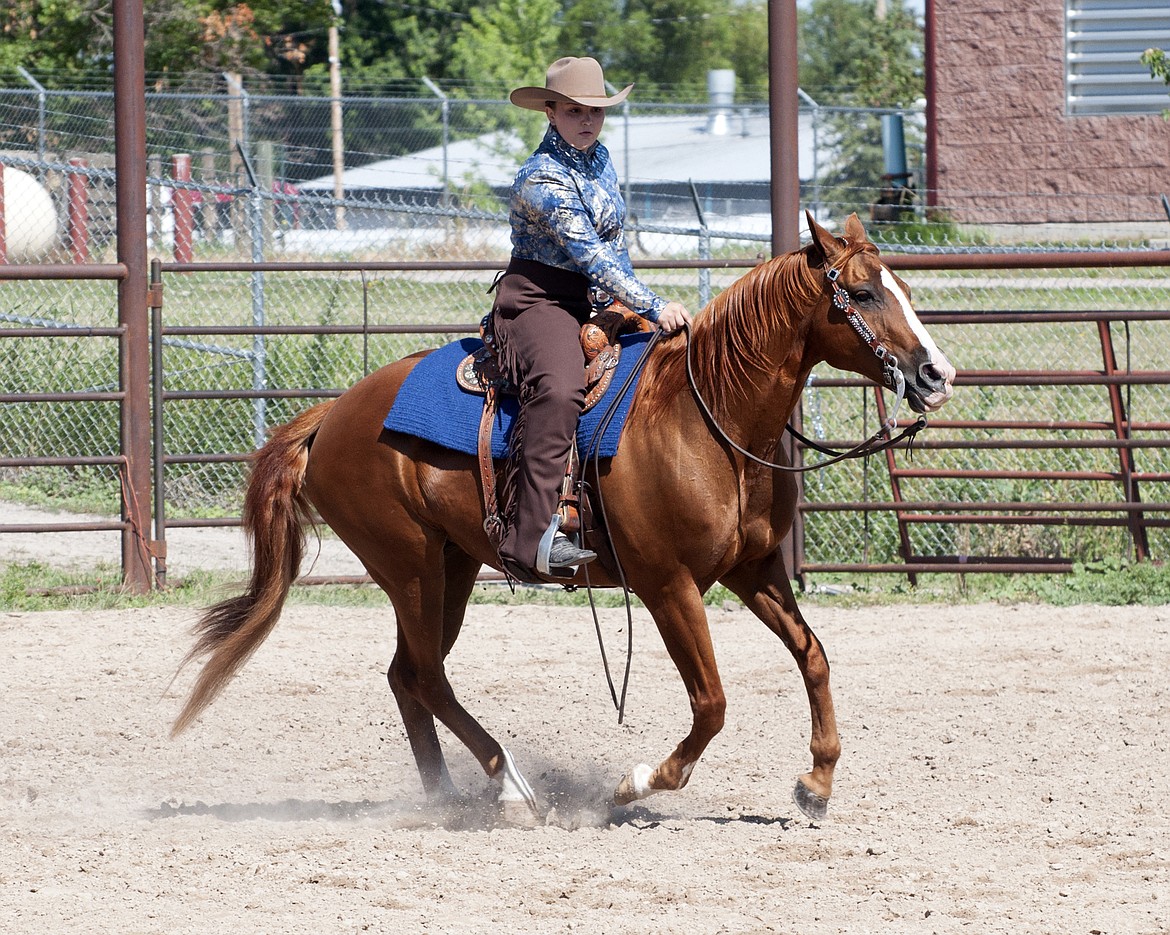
970	497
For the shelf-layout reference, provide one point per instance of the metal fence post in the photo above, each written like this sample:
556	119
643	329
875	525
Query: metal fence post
704	248
130	156
784	109
446	115
816	151
158	423
40	89
3	226
1122	429
259	365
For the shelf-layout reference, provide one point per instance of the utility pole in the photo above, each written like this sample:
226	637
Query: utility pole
335	114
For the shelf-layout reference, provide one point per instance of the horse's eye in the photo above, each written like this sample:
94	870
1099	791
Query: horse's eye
863	296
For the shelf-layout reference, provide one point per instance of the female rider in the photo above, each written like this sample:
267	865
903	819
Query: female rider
568	257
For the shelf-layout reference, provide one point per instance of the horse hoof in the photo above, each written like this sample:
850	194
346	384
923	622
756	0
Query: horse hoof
814	806
634	785
624	793
519	815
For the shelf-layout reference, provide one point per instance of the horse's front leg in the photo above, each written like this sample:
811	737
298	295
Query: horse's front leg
764	587
681	619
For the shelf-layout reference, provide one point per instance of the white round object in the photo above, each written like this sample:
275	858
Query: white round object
30	220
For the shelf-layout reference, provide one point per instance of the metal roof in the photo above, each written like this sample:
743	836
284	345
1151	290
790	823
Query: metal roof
722	147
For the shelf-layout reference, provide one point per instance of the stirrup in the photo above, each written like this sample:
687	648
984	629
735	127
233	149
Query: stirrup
545	547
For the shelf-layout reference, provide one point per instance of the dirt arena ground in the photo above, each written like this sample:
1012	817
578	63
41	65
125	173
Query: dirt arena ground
1005	770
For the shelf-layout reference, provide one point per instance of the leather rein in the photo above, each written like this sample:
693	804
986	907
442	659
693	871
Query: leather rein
892	378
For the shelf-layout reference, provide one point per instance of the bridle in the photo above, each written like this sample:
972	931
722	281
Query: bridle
892	378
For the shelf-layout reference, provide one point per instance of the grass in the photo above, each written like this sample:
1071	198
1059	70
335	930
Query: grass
79	490
35	587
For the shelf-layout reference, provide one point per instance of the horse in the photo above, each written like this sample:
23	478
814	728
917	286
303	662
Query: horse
687	506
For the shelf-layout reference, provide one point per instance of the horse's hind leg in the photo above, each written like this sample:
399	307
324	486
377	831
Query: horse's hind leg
459	573
430	616
765	589
420	730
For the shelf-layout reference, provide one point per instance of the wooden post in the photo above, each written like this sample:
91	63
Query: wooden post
78	212
237	208
336	126
265	178
210	211
154	169
181	209
3	229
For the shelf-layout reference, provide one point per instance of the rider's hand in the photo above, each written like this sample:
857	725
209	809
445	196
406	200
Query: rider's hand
673	317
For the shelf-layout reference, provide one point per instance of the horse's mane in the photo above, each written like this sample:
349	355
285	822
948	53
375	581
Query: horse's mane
729	334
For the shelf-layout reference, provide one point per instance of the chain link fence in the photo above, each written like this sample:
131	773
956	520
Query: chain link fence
1034	424
240	176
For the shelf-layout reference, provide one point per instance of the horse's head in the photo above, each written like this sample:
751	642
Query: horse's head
872	327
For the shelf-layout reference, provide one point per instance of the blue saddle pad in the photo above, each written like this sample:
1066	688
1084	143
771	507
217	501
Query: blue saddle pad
432	405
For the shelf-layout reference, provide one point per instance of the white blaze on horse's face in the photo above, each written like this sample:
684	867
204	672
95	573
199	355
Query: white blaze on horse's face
936	360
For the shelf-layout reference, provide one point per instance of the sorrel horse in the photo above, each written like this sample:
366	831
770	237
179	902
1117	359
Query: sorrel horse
687	507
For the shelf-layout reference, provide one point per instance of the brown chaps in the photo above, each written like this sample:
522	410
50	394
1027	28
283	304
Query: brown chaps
537	319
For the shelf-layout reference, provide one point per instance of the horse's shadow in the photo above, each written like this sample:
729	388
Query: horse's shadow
638	816
464	814
467	813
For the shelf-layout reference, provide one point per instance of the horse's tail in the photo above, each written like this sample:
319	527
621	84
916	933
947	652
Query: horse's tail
275	514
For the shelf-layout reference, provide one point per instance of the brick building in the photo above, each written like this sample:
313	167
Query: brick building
1041	112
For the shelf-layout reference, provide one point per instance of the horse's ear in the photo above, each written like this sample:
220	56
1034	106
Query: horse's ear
854	231
824	245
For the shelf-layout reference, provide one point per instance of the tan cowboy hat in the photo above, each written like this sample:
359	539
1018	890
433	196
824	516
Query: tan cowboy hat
578	80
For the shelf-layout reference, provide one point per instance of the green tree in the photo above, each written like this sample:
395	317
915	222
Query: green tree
70	41
490	44
610	31
668	46
506	42
748	51
384	41
71	37
1158	64
851	58
689	38
502	45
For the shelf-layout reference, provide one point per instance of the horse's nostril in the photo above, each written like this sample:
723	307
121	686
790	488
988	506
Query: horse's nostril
930	375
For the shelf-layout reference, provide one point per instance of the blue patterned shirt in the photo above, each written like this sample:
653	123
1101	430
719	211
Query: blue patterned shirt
567	211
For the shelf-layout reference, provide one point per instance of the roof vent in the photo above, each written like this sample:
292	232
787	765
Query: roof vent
721	96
